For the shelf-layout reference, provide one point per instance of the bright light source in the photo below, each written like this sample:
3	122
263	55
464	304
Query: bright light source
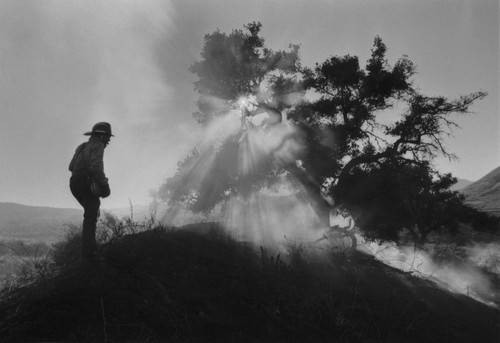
246	101
243	101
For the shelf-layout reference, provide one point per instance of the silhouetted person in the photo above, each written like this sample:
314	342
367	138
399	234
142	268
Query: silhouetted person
88	183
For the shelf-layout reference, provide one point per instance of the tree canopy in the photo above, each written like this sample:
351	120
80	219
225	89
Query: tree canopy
353	153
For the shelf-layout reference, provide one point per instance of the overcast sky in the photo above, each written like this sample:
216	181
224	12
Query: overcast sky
68	64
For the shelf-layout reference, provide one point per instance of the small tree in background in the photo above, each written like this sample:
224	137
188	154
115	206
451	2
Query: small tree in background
354	155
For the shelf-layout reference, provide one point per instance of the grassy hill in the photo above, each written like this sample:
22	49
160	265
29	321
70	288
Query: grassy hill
199	285
461	184
484	194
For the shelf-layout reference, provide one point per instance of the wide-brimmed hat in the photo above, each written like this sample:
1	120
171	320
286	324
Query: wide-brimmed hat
101	127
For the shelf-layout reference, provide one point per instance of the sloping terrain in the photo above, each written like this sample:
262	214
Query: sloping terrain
484	194
461	184
35	223
185	286
46	224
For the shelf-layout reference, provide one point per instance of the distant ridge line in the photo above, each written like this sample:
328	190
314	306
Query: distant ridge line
484	194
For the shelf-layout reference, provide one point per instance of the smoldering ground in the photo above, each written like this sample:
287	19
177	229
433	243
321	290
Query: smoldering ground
470	270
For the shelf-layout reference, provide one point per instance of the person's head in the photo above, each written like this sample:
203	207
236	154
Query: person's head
101	130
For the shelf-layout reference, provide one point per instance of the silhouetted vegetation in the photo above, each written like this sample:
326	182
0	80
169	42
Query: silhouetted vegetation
413	199
479	220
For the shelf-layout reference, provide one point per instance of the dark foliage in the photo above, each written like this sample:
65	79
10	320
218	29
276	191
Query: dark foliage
389	197
479	220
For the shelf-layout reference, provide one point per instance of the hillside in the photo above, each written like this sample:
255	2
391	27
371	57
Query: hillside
184	286
461	184
35	223
484	194
47	224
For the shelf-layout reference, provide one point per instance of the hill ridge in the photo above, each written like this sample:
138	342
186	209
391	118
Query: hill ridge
484	194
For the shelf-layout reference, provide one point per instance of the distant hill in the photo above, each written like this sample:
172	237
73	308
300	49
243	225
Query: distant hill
35	223
461	184
47	224
484	194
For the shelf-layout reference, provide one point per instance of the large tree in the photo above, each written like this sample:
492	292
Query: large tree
346	131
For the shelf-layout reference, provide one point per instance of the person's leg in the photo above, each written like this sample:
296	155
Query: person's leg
77	190
90	203
89	245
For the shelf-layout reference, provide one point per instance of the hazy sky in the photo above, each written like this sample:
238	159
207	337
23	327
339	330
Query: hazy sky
68	64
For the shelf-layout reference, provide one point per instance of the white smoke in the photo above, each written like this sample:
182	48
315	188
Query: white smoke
485	255
461	271
269	217
272	220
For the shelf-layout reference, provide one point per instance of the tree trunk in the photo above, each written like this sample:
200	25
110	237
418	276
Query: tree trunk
312	193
